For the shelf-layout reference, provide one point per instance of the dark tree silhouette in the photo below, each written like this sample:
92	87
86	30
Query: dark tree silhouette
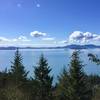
43	79
18	72
94	58
78	88
62	86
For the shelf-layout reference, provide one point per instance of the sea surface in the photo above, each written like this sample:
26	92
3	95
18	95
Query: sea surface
57	59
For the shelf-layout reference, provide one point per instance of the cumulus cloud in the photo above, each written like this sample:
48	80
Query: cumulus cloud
83	37
3	39
37	34
48	39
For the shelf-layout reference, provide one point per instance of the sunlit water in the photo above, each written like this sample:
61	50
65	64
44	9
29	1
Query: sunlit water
57	59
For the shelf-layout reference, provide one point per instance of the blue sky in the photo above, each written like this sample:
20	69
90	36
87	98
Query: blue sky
49	22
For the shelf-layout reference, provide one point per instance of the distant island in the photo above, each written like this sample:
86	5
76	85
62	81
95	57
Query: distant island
89	46
73	46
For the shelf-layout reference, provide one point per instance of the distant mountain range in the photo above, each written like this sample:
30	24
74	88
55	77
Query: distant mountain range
74	46
89	46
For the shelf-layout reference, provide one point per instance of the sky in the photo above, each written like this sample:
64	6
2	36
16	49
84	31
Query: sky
49	22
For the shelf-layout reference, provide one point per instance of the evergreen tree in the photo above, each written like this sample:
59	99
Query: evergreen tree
94	80
3	84
62	86
3	78
96	95
94	58
77	89
18	72
43	80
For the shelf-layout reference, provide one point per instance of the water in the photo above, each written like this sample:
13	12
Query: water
57	59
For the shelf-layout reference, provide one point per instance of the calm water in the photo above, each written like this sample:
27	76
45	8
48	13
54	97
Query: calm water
57	59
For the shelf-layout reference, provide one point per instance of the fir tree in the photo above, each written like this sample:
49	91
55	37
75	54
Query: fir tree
62	86
78	89
43	80
18	72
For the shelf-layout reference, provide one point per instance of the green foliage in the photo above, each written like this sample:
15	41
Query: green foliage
15	81
18	71
96	95
94	58
73	84
3	78
94	80
62	87
43	79
77	89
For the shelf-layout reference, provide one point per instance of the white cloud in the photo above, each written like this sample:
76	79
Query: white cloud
48	39
81	37
76	36
23	38
3	39
20	39
37	34
13	41
97	38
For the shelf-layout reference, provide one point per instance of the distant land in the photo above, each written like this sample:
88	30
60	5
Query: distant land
73	46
